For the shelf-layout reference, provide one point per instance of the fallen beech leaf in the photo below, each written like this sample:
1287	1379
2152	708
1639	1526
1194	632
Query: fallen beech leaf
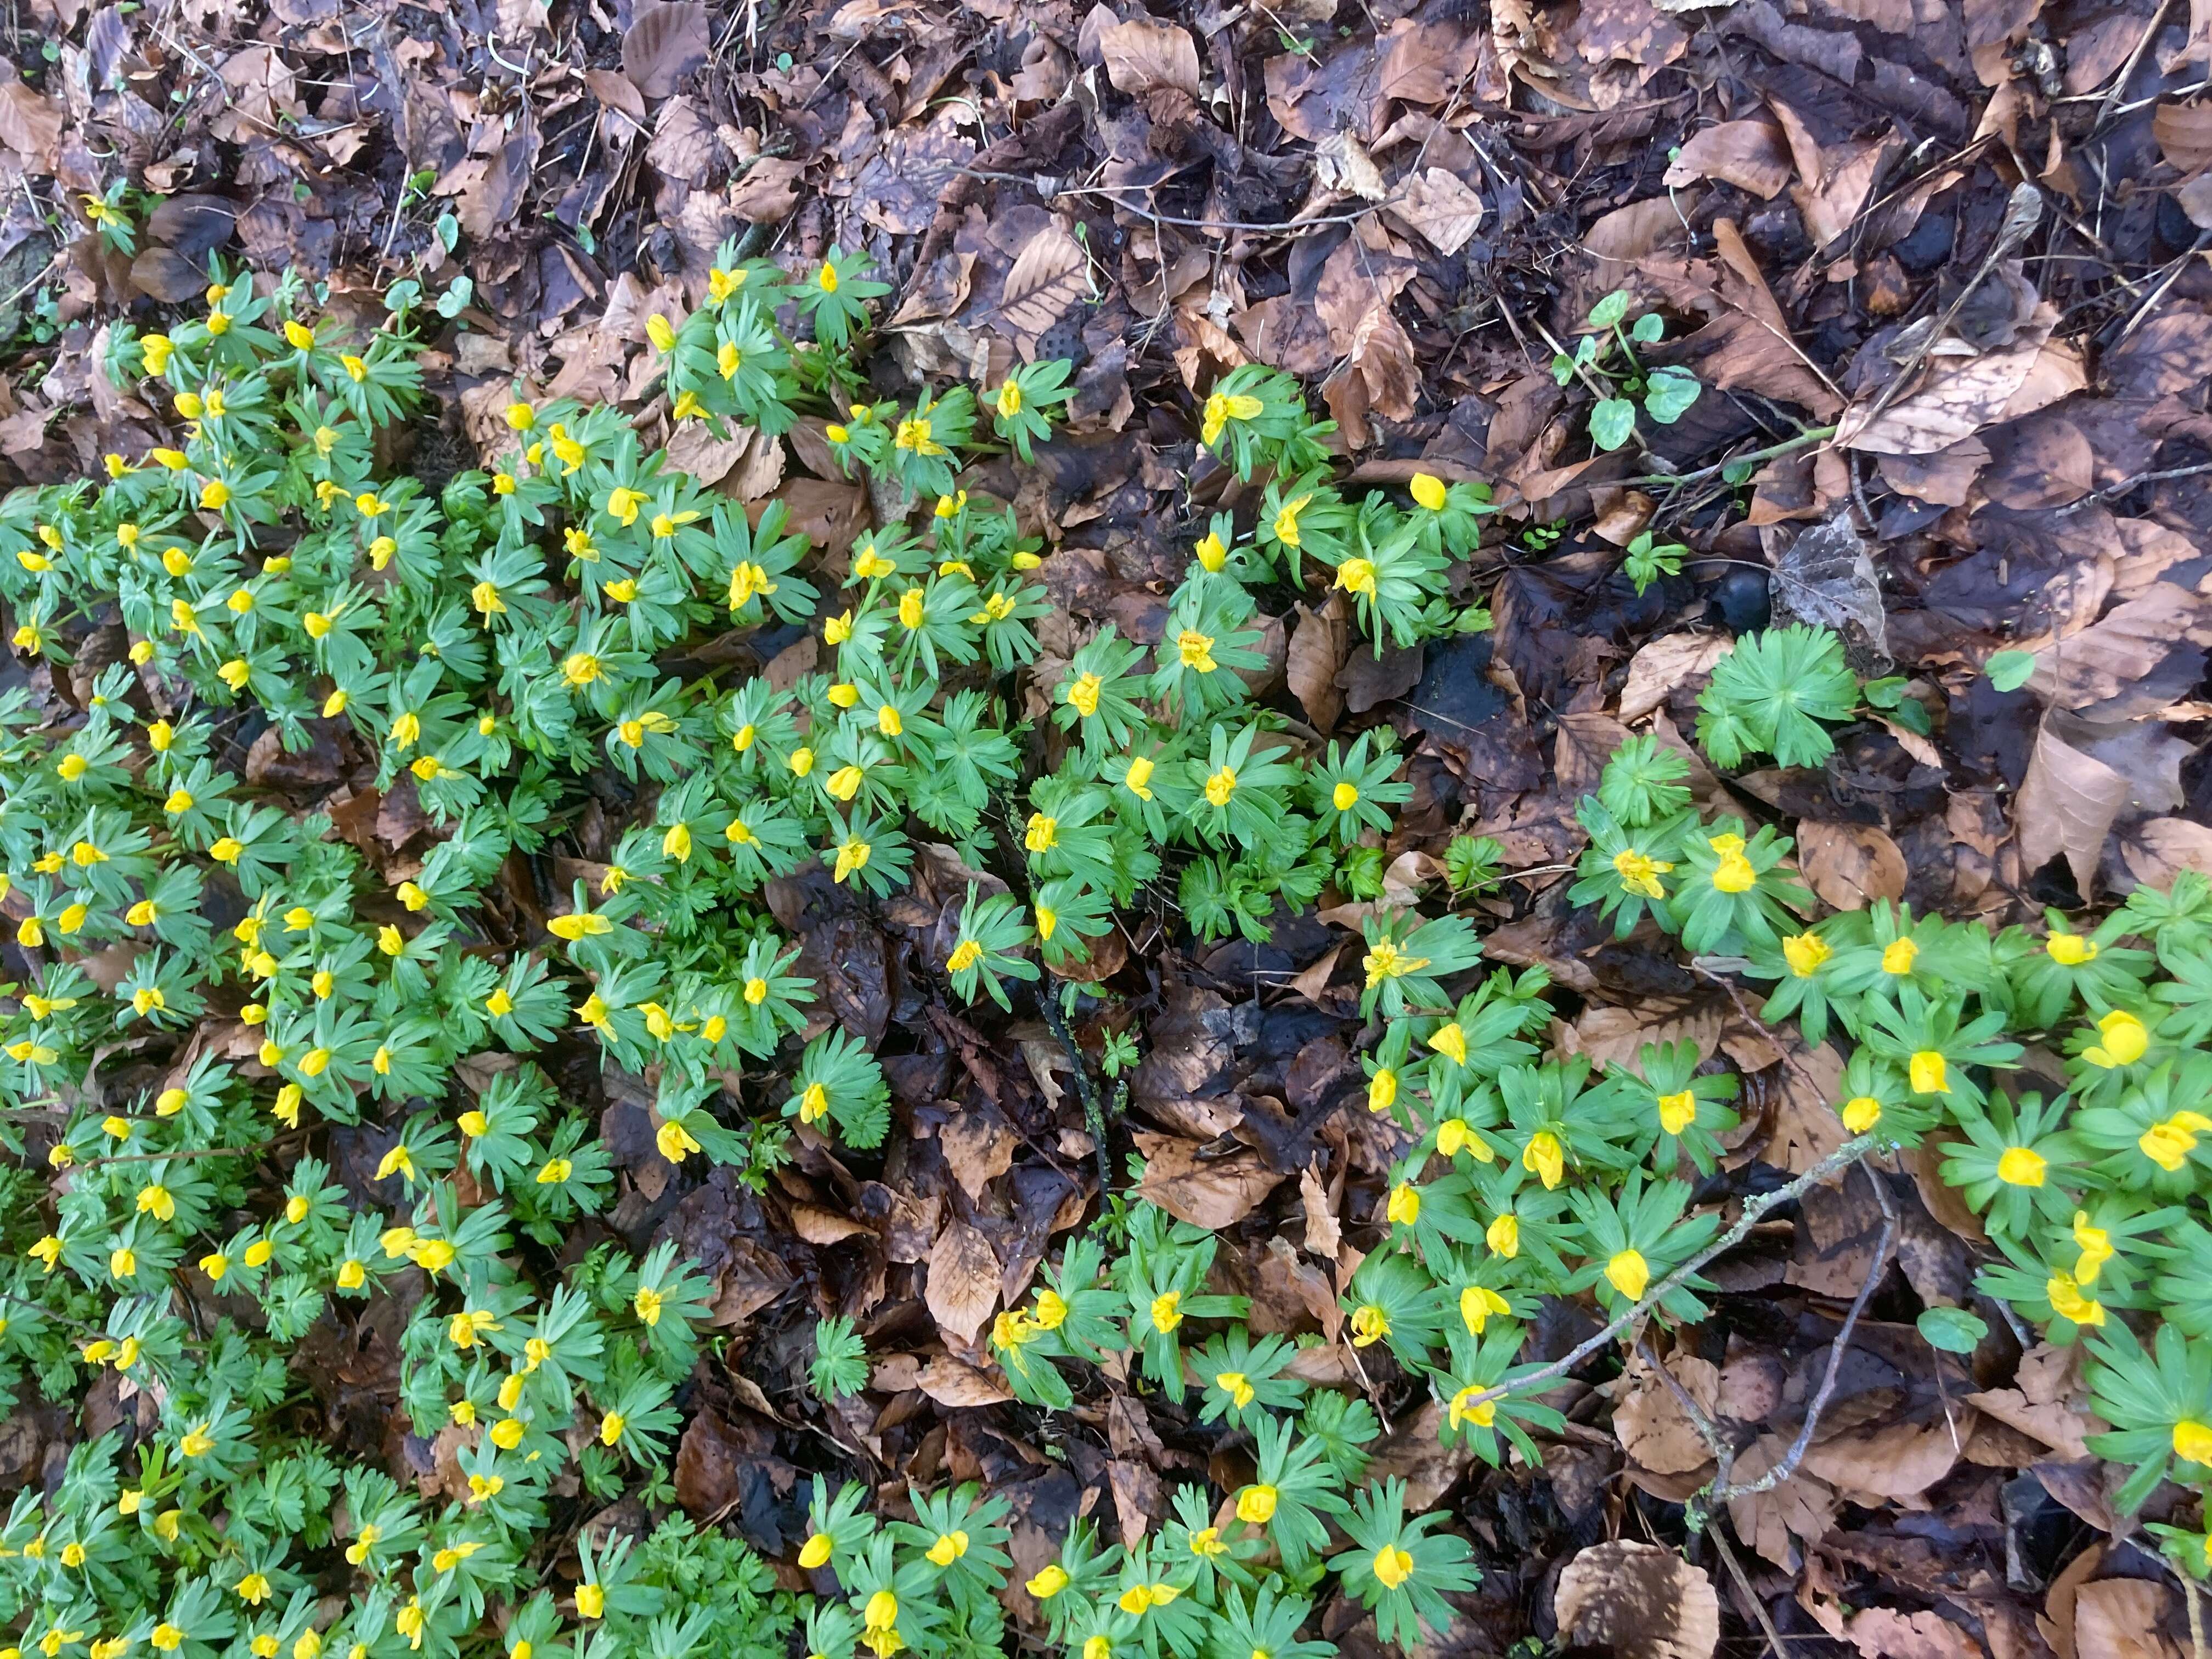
1649	1422
1849	864
1315	653
2129	1619
2158	849
963	1281
1660	666
1638	1601
1886	1634
1960	397
1322	1236
665	41
1749	154
950	1381
1888	1458
1792	1513
1049	278
2067	803
1212	1194
1146	53
1439	205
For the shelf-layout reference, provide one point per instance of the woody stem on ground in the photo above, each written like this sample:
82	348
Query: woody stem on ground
1094	1117
1811	435
1841	1159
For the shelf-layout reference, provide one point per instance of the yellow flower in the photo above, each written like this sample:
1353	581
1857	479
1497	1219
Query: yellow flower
1381	1089
2070	950
1167	1311
1370	1324
1502	1235
1899	956
835	432
1195	650
1286	521
581	924
1392	1567
2096	1247
1478	1303
1640	873
2169	1142
1454	1137
215	495
2193	1442
646	1304
188	405
355	368
1357	576
196	1443
1805	952
611	1428
1256	1504
816	1551
1139	780
1429	491
1387	962
1929	1074
852	856
1220	410
658	331
675	1141
253	1587
881	1610
1735	873
1450	1041
1545	1158
965	955
1467	1406
949	1547
590	1600
1861	1113
555	1170
2021	1166
1220	786
911	609
1628	1272
1236	1386
1677	1112
1050	1580
826	280
721	284
2126	1039
1083	694
1042	833
158	348
914	433
1211	555
1405	1207
2064	1294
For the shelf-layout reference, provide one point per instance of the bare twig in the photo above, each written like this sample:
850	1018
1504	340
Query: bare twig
2189	1594
1724	1488
2110	491
1842	1158
1750	1595
1094	1117
2119	86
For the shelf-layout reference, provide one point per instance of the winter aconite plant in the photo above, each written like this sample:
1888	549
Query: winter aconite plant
212	979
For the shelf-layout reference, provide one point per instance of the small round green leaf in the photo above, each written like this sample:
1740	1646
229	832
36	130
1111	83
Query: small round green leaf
1612	422
1953	1329
2009	670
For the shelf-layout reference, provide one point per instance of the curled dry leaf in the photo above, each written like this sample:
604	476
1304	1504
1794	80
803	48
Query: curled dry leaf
964	1282
1442	208
1210	1192
2129	1619
1849	864
1649	1422
1660	666
1749	154
1639	1601
1145	54
1961	396
2067	803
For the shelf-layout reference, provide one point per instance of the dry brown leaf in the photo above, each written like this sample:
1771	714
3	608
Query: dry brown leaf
2183	132
964	1282
1960	396
819	1226
1146	53
1439	205
2129	1619
665	41
1749	154
979	1144
1779	1522
1413	1453
1849	864
2067	803
1886	1634
1322	1234
1664	664
1211	1192
1649	1422
30	123
2108	660
1049	278
1886	1458
1612	1036
1315	653
2159	849
1638	1601
950	1381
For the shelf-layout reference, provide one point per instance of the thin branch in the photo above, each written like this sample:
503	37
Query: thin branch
1724	1488
1842	1158
1094	1117
1811	435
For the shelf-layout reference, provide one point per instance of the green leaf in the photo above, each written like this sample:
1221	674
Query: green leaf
1610	310
2009	670
1613	422
1952	1329
1669	392
1649	328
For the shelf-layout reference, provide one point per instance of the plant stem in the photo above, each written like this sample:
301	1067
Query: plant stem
1811	435
1842	1158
